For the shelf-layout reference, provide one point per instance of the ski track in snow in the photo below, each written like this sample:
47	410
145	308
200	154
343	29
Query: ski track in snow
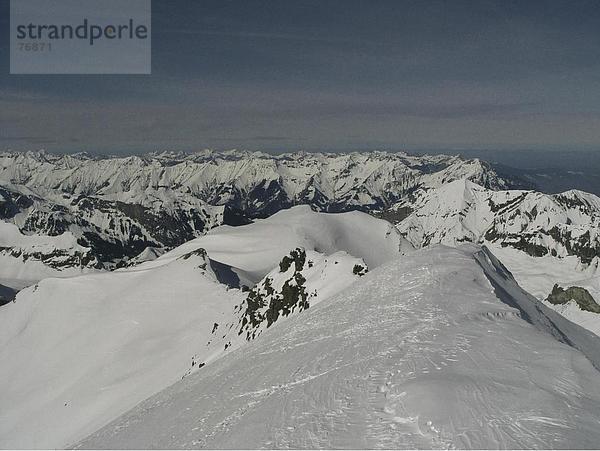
419	354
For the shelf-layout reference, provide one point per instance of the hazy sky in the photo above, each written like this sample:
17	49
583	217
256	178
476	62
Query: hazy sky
330	75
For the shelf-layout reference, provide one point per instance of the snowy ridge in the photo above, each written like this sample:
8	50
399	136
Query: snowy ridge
421	353
538	275
256	249
104	342
536	312
543	239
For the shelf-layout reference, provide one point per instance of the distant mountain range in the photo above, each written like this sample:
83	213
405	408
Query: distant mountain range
549	171
558	225
70	213
120	211
118	207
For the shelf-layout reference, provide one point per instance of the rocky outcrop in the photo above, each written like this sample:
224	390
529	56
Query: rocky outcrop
581	296
276	295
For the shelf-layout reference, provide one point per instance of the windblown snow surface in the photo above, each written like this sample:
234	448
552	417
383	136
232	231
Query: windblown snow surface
433	350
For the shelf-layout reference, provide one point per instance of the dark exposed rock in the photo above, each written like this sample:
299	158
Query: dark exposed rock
360	270
12	203
55	258
582	245
393	215
580	295
293	295
297	257
7	294
235	217
200	252
264	305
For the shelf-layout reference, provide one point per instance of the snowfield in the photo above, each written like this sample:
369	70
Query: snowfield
422	352
75	353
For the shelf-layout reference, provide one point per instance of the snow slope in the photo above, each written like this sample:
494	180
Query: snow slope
77	352
420	353
538	275
257	248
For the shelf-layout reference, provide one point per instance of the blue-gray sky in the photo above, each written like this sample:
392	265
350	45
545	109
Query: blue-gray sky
329	75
